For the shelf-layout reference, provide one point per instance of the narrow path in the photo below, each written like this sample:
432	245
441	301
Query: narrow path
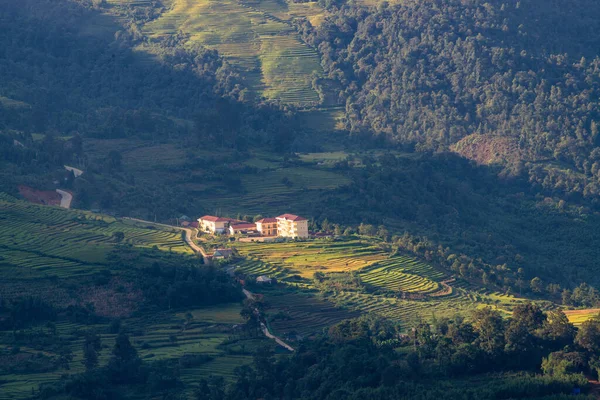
188	236
248	294
65	198
264	327
594	388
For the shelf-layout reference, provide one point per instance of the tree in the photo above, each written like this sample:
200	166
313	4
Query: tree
588	335
124	365
114	159
367	230
489	326
91	346
118	236
561	363
123	351
90	357
536	285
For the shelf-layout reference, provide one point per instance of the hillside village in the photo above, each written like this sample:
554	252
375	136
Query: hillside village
284	226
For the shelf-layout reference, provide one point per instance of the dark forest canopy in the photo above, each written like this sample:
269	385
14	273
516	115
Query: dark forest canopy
430	73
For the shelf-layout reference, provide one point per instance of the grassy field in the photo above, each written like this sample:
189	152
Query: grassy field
261	182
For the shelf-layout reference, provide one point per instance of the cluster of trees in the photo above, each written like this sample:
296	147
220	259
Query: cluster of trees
355	360
124	375
467	219
21	312
174	286
429	74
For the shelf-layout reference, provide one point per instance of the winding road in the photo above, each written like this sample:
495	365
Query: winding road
198	249
264	327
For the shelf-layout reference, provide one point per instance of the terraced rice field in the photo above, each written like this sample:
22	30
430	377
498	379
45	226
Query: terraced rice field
45	241
152	336
304	314
403	274
578	317
275	190
400	287
406	312
254	36
306	258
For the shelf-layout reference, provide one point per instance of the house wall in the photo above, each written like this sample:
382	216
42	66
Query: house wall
292	229
267	228
213	227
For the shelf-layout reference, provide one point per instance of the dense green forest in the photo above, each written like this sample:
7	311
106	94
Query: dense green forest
521	76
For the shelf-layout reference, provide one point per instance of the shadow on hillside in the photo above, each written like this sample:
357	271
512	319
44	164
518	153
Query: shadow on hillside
82	71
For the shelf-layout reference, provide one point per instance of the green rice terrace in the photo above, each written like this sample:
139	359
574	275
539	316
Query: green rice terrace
52	253
42	241
256	37
398	287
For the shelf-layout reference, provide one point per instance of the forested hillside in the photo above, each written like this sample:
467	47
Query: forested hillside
427	74
68	68
445	155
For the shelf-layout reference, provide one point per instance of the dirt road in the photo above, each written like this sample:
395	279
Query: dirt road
65	198
264	327
198	249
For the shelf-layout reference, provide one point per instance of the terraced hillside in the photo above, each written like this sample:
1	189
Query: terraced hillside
254	36
403	274
397	287
40	241
66	259
157	337
257	182
304	259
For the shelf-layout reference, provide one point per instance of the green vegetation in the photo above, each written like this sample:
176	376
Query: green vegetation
452	359
457	197
477	82
68	273
255	37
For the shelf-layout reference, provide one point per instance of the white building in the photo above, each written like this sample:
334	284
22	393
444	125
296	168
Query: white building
292	226
212	224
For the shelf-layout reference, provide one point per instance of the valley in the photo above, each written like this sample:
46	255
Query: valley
300	200
320	282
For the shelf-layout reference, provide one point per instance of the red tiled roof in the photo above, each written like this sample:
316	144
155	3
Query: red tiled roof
267	220
244	226
291	217
212	218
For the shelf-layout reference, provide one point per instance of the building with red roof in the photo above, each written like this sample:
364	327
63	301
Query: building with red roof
242	228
